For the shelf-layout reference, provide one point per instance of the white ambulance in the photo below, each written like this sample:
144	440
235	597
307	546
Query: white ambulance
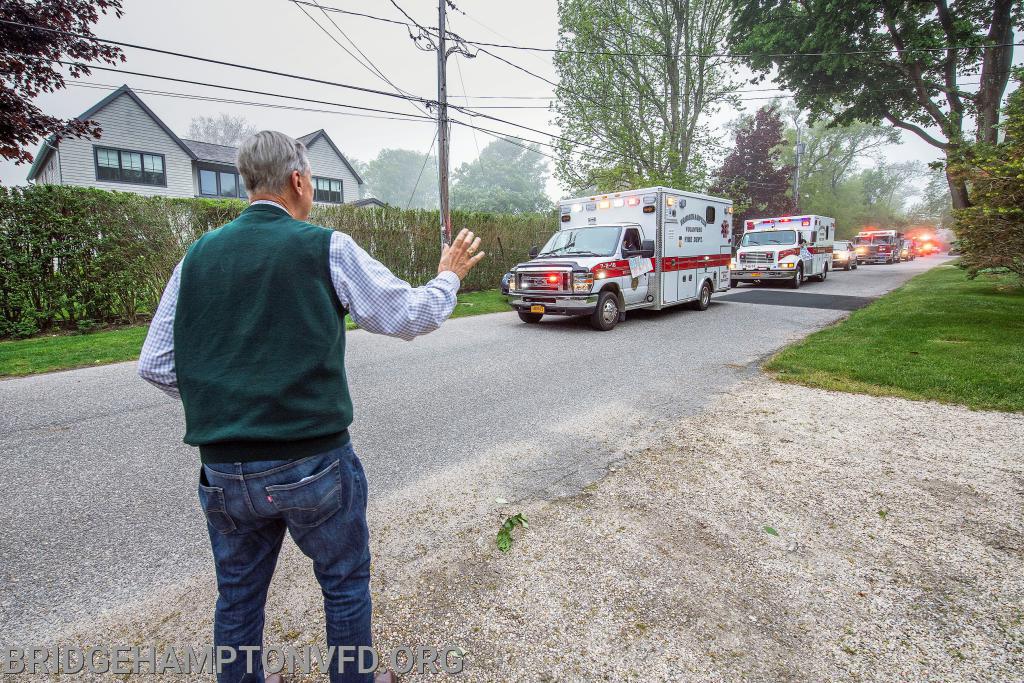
790	248
649	248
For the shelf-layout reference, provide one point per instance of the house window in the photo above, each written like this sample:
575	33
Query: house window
327	190
216	183
125	166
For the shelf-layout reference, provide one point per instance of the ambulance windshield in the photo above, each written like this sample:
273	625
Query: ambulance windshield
600	240
761	239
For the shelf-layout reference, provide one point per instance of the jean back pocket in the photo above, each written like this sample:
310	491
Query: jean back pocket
211	498
309	501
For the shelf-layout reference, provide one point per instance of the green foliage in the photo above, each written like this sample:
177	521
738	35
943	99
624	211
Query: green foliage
71	254
753	175
504	537
880	61
507	177
392	178
991	231
643	118
834	181
940	337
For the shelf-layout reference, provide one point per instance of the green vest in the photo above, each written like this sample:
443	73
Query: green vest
259	341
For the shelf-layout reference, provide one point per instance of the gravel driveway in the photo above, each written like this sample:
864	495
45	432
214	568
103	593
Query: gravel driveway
752	541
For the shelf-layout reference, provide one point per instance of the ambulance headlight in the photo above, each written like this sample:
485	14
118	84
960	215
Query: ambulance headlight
788	266
732	263
582	282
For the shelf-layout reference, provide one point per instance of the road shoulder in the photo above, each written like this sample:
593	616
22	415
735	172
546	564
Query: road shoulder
761	538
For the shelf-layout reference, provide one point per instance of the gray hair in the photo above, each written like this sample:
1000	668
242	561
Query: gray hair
266	161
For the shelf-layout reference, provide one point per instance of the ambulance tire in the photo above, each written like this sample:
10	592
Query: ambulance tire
798	279
703	299
824	274
531	318
602	319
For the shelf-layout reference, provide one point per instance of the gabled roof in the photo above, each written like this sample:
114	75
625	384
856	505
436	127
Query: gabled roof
47	146
308	140
213	153
368	201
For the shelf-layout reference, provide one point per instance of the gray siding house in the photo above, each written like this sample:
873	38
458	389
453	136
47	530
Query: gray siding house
138	153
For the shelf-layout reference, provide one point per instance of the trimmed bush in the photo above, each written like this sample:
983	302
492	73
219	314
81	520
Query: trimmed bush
74	257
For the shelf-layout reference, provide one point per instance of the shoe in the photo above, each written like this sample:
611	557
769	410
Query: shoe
386	677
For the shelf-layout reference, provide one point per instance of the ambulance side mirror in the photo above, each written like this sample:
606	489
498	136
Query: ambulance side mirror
534	250
647	249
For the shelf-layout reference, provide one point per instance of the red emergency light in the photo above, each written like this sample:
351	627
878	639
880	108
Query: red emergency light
633	201
552	278
783	220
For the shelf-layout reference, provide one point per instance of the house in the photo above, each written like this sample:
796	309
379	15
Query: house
138	153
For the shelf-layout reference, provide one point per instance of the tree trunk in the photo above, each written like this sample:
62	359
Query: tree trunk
995	72
957	191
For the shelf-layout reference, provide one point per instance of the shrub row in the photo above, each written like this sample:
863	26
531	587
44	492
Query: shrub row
75	257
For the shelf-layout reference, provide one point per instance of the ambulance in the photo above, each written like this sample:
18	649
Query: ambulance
649	248
773	249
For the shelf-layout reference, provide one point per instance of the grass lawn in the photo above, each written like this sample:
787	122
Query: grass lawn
63	352
939	337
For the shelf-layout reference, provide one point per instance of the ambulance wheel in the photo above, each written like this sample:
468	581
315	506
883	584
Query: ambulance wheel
824	274
704	299
528	317
798	279
606	315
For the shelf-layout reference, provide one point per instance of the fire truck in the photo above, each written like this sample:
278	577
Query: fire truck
879	246
788	248
648	248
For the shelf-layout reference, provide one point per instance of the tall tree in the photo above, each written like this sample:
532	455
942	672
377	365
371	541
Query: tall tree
223	129
833	152
890	183
899	73
753	174
507	177
403	177
637	81
992	231
934	206
27	67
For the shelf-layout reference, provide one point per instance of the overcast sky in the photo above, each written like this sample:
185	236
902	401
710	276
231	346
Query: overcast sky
275	34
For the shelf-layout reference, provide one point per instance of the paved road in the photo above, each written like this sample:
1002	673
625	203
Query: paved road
100	504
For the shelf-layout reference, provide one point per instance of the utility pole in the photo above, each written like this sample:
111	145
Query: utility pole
442	125
798	151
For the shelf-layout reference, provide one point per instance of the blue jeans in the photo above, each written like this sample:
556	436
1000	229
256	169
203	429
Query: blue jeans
321	502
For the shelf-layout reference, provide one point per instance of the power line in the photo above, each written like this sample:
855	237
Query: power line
216	85
426	158
741	55
209	60
617	53
268	105
369	65
458	67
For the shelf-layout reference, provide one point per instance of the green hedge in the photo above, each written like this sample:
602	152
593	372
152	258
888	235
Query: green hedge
76	257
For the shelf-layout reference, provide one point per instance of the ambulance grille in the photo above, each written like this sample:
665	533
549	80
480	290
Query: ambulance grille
757	257
541	283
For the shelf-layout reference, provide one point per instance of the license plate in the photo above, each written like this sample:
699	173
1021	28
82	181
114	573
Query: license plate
536	309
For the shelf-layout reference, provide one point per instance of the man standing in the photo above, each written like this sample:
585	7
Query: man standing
250	333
